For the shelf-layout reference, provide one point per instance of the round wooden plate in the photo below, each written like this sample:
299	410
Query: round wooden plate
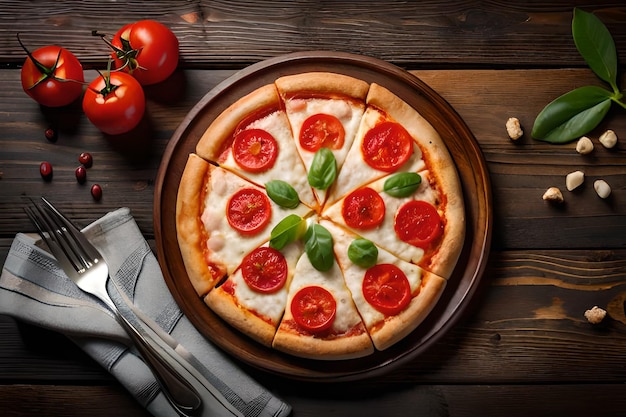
476	188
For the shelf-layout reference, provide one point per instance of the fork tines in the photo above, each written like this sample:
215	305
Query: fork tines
60	234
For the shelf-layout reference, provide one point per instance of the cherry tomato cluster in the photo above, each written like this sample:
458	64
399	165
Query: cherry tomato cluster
143	53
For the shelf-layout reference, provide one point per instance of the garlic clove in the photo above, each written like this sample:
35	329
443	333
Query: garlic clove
553	194
608	139
584	146
574	179
602	188
595	315
513	128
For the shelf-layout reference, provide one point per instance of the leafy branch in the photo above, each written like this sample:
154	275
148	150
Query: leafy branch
579	111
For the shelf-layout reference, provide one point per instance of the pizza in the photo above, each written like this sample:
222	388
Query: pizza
320	215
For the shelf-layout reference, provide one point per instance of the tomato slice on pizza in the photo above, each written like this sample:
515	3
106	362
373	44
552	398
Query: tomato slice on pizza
253	138
363	209
392	296
324	111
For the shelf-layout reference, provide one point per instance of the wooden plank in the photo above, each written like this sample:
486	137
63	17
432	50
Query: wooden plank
233	34
409	399
68	401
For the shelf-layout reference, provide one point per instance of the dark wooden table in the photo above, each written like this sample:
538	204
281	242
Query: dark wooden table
522	348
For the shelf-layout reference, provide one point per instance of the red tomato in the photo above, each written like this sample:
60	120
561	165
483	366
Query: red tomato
418	223
314	308
386	288
387	146
255	150
52	76
363	208
264	270
114	103
321	130
248	211
147	50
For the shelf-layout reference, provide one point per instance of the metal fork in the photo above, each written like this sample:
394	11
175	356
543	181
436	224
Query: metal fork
182	385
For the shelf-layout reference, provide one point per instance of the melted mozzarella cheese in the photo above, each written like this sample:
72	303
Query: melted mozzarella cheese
384	235
356	172
298	110
270	305
354	274
306	275
287	167
226	244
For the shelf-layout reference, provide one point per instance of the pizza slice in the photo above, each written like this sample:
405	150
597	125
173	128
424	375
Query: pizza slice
321	320
324	110
418	217
221	217
392	296
253	138
253	298
392	137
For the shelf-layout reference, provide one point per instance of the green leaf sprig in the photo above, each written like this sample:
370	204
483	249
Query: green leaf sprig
288	230
323	170
363	252
579	111
282	194
318	242
402	184
318	245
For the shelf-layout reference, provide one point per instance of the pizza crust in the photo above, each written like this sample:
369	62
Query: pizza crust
397	109
217	136
225	306
446	256
324	83
189	227
395	328
306	346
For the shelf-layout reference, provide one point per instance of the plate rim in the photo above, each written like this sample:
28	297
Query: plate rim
416	86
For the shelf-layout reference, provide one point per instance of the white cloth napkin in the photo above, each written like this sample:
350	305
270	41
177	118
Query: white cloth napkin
33	288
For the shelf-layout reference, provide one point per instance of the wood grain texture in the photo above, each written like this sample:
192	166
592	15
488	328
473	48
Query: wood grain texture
414	34
431	400
67	401
524	347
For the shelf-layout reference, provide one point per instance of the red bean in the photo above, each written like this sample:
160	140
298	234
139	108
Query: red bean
51	134
96	192
81	174
86	159
45	169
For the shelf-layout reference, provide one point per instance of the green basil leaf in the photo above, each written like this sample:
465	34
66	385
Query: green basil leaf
572	115
363	253
402	184
323	170
282	193
288	230
596	46
318	245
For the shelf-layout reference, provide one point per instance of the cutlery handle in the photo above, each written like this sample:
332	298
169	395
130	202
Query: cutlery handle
178	390
184	364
